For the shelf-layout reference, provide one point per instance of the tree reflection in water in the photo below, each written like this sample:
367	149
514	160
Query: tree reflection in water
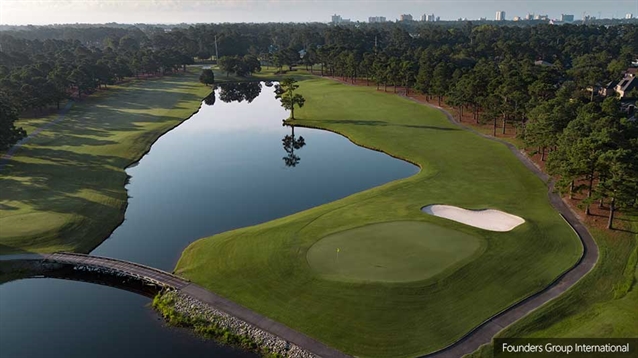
291	144
235	92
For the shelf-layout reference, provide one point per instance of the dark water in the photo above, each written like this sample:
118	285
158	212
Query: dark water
231	165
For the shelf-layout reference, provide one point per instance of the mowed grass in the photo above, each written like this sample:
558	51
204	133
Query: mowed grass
391	252
64	190
604	304
265	267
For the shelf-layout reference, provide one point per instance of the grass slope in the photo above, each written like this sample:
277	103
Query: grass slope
604	304
264	267
64	190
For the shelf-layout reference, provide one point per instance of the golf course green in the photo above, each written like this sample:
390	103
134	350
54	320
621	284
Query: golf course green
286	268
391	252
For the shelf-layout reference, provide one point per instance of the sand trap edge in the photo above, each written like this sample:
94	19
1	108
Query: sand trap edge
486	219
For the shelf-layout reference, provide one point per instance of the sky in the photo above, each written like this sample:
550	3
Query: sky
39	12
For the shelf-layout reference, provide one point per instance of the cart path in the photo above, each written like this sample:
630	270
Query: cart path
169	280
486	331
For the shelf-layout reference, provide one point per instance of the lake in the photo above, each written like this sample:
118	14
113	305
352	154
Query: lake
230	165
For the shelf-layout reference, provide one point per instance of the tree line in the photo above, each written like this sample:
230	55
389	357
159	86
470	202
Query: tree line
541	80
38	74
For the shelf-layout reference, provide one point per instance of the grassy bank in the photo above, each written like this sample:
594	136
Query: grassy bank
64	190
164	303
265	267
604	304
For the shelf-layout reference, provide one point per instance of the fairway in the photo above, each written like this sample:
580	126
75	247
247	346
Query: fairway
64	190
269	267
391	252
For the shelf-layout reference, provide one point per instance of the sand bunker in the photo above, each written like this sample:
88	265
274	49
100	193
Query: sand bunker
488	219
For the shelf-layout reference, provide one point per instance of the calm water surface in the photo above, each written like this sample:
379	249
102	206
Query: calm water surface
231	165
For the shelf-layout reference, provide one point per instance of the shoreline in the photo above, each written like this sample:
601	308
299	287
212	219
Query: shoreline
181	310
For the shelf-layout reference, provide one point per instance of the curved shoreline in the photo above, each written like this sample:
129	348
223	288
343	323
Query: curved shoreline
134	163
97	240
484	332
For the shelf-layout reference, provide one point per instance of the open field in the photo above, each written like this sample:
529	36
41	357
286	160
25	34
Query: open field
64	190
265	267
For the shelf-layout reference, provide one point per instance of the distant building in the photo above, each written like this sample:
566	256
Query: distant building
428	18
337	19
626	85
405	17
374	19
529	17
608	89
517	18
500	16
566	18
629	16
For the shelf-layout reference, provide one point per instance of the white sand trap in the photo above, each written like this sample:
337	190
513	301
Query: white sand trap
488	219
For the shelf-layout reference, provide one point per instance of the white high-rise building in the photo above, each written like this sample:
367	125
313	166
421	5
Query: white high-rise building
428	18
629	16
500	16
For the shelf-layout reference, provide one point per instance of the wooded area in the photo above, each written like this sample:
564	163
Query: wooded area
554	84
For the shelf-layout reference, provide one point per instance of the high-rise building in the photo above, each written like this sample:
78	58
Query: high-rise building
629	16
500	16
405	17
373	19
428	18
529	17
566	18
337	19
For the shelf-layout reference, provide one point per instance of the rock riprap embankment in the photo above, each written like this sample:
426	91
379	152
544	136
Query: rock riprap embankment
198	311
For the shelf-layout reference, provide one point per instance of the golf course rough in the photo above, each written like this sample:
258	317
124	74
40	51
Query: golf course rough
398	251
64	190
266	267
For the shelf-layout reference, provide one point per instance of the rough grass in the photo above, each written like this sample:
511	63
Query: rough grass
604	304
392	252
64	190
264	267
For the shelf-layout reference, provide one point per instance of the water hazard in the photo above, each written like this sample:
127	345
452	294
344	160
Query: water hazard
231	165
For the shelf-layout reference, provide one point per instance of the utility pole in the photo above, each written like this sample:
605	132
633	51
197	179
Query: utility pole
216	50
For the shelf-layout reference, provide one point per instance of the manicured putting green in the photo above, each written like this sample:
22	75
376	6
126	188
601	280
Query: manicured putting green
399	251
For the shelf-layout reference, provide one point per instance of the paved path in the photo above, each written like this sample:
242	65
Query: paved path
166	279
486	331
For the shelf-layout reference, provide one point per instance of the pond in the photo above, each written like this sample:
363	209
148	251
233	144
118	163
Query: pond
230	165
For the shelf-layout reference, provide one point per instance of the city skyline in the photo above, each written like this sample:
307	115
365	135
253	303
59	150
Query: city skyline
15	12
